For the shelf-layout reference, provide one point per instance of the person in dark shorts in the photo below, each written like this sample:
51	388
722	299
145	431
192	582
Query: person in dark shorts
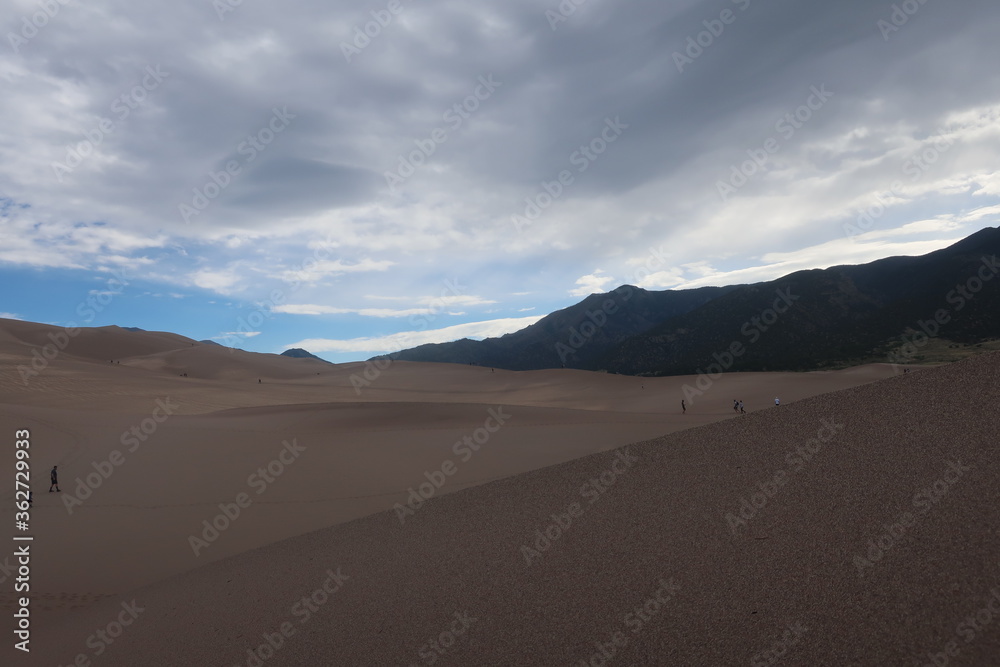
54	476
683	408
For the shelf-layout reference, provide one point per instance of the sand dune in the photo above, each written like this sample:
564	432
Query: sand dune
100	344
355	457
456	579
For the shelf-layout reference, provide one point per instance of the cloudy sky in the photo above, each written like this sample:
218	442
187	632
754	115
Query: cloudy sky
362	177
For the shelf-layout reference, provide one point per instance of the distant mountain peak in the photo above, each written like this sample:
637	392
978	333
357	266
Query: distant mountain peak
842	315
299	353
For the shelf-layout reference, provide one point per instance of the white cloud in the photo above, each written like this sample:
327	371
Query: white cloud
379	297
11	316
442	300
822	256
407	339
222	281
591	284
430	305
328	269
943	224
661	279
312	309
320	186
454	300
32	238
978	214
988	185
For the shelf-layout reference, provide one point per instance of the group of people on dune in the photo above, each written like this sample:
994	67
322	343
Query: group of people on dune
737	405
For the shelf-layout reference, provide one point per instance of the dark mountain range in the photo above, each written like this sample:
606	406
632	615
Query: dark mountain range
835	316
802	321
574	337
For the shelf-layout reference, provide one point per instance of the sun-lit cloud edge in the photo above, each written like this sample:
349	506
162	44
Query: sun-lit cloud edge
407	339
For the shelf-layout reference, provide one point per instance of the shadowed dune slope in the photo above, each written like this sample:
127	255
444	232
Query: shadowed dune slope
902	473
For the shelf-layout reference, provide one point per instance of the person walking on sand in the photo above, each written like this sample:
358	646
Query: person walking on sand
736	405
683	408
777	401
742	411
54	476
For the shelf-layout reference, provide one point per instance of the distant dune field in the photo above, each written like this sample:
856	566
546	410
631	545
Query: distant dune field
435	488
